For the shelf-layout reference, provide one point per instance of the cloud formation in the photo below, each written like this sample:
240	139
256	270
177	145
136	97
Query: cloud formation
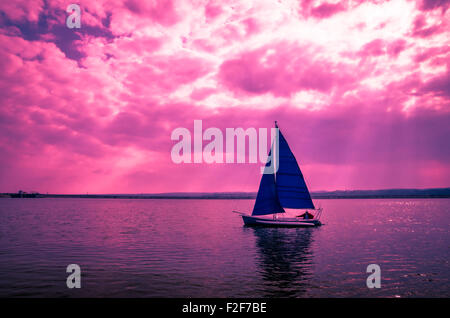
360	89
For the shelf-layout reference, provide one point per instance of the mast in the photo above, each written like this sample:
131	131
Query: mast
276	150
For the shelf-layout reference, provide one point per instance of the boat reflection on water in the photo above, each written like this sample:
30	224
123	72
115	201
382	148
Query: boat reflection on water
284	260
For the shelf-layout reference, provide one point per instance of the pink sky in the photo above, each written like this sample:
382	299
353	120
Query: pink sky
361	90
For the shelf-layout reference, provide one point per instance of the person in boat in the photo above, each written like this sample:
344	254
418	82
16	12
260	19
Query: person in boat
306	216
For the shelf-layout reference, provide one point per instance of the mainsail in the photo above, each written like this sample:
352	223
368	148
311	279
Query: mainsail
284	189
291	187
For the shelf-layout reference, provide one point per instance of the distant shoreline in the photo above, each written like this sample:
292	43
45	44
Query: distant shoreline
435	193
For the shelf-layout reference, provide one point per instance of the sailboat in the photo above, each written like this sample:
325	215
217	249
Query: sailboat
282	188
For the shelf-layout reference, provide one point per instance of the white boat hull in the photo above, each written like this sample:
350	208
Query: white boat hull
279	222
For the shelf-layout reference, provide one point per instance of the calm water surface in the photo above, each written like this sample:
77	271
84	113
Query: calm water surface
198	248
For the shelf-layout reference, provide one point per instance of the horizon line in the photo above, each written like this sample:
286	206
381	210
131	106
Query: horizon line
224	192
